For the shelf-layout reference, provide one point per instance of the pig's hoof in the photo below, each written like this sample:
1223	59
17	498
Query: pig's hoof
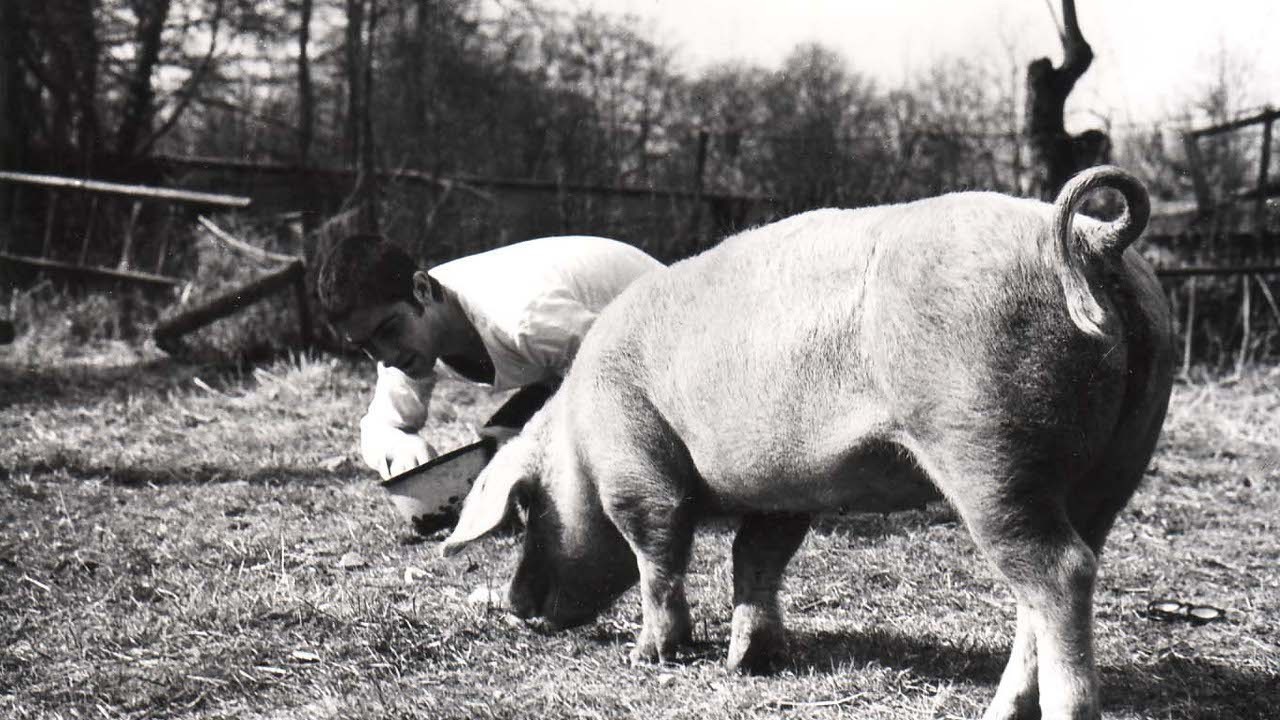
1025	707
758	652
643	656
648	654
756	662
649	650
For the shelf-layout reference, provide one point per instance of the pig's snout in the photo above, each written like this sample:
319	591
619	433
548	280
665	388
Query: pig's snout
537	598
524	598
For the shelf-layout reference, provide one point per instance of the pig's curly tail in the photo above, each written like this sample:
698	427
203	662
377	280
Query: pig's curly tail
1073	253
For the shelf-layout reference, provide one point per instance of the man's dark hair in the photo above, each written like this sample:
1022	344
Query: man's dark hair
362	271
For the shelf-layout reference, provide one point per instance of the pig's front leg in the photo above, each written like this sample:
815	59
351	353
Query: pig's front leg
763	547
666	615
661	535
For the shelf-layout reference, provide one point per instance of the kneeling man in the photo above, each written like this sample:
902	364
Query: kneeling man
510	318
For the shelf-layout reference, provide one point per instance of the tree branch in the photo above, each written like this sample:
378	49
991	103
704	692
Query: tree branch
140	95
188	90
1077	55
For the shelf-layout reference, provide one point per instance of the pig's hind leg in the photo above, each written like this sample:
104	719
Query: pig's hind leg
761	550
1017	517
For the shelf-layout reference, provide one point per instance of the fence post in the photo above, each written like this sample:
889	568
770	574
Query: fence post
1264	165
1191	319
128	235
304	309
88	229
699	183
50	212
1260	229
165	231
15	203
1245	312
1203	201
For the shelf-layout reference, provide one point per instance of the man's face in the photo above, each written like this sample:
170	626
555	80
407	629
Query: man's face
398	334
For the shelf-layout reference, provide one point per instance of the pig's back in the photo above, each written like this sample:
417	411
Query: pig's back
784	343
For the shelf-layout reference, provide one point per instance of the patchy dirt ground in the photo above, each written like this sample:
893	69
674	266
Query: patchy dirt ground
183	541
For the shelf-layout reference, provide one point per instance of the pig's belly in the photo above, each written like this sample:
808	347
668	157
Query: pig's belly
876	477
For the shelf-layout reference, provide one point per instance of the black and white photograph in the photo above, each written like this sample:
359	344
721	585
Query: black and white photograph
639	359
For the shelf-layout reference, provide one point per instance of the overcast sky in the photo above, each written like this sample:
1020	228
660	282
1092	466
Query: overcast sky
1150	55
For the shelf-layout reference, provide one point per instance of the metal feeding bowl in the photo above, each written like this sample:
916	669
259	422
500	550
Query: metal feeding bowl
430	496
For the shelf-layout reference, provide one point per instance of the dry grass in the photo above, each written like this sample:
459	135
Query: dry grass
187	541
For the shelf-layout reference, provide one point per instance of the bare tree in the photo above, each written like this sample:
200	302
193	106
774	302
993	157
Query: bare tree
56	50
353	52
825	123
954	132
140	94
15	95
725	101
1058	154
306	100
362	28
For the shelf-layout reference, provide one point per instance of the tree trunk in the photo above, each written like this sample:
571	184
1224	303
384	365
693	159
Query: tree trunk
1057	154
354	53
140	100
15	134
84	45
59	52
368	192
362	20
306	101
419	88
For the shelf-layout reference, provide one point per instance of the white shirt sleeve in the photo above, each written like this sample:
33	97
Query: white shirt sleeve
389	440
550	334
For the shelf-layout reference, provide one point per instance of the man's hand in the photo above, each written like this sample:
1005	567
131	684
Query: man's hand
391	451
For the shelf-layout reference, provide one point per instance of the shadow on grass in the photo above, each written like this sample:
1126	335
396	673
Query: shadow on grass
1174	687
26	383
878	525
23	383
201	474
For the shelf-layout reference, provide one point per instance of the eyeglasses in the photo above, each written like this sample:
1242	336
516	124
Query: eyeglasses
1171	610
382	337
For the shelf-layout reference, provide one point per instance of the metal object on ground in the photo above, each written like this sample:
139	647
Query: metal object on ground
430	496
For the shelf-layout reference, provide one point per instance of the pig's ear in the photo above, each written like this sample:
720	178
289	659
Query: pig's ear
492	497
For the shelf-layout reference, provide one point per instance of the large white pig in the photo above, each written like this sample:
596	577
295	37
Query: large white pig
1002	351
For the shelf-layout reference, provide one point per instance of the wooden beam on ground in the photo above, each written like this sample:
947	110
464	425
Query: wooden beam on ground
236	245
169	332
189	197
133	276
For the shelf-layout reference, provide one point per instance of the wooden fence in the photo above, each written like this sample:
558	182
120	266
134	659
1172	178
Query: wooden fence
1227	237
104	223
87	222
